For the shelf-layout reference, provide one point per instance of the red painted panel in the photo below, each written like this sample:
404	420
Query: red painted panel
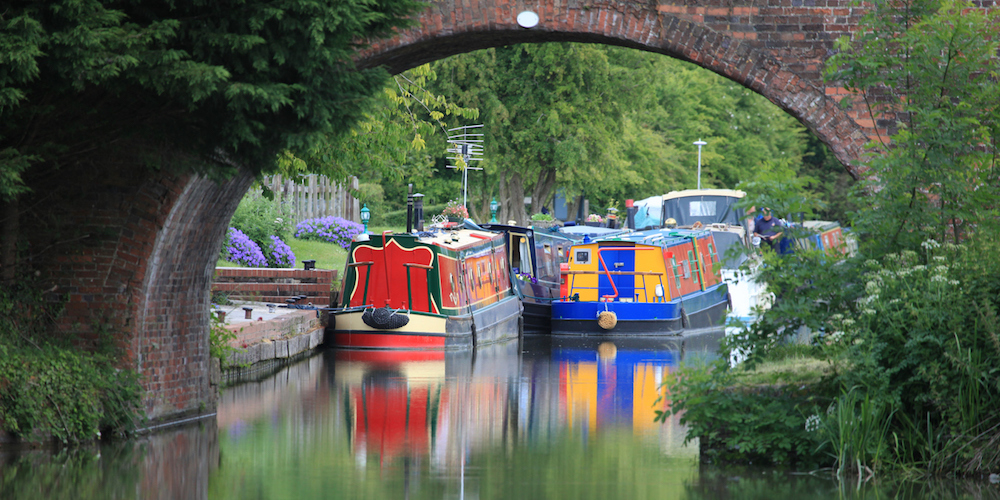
388	357
387	284
689	284
387	341
451	280
709	261
391	418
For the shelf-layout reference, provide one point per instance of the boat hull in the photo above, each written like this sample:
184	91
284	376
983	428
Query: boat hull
700	311
497	322
537	318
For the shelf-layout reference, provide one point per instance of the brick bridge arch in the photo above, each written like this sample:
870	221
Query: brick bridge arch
775	47
136	249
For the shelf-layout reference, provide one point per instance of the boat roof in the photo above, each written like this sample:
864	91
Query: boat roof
595	232
729	193
658	237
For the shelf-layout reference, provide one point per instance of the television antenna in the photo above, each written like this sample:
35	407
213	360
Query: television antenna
466	146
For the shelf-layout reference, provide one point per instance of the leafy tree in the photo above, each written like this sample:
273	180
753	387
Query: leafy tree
610	122
200	85
930	66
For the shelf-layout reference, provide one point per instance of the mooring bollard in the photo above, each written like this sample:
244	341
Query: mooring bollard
219	313
309	264
270	308
248	312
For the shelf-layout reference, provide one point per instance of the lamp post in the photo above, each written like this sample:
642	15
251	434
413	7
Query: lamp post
699	143
366	215
494	206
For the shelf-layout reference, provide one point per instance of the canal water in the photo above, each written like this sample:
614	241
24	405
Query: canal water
537	419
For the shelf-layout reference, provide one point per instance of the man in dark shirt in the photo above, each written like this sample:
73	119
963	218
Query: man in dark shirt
768	228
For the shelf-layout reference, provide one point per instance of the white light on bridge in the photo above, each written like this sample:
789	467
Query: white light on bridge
527	19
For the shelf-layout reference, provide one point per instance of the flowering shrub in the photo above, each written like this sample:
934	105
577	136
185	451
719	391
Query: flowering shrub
455	209
239	248
594	218
279	254
330	229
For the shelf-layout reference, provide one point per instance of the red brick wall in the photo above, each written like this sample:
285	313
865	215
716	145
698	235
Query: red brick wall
131	251
275	285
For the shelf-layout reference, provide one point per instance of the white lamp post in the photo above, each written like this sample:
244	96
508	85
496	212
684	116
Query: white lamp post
699	143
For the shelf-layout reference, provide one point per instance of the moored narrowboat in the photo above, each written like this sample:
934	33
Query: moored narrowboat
445	288
656	282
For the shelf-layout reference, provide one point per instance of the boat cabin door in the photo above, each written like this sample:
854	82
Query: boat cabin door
617	261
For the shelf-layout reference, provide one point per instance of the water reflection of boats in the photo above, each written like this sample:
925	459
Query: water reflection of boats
619	381
420	403
445	288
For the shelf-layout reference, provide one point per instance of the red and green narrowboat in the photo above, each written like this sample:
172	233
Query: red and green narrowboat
657	282
447	288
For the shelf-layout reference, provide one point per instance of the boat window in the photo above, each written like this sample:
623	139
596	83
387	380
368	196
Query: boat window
702	209
582	256
525	252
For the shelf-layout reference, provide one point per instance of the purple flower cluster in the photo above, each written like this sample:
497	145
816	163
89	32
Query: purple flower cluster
242	250
280	254
331	229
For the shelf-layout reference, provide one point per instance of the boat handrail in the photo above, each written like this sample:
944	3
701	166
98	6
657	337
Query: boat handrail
361	263
421	266
608	272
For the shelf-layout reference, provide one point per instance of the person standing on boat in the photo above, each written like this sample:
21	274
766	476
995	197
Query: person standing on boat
768	228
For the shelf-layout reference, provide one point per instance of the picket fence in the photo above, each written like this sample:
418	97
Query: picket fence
313	196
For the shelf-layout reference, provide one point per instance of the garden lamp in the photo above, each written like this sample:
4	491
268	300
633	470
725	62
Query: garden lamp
366	215
494	206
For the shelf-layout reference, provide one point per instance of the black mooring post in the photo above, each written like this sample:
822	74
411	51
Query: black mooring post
418	211
409	208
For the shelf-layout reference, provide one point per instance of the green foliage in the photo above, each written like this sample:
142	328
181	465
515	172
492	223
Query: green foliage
219	338
938	178
614	123
736	423
856	427
196	78
541	216
51	389
259	218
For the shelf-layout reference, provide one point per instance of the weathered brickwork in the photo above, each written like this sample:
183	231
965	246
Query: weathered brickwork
134	249
131	251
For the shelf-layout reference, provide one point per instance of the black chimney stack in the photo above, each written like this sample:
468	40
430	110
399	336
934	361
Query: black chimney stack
418	211
409	208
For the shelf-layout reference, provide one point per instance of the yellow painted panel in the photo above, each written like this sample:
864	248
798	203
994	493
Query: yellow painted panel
581	395
584	284
646	379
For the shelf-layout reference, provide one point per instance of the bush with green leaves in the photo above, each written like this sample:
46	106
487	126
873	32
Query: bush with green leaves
739	423
261	221
48	389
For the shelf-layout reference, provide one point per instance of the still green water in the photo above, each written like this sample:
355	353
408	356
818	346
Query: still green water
564	419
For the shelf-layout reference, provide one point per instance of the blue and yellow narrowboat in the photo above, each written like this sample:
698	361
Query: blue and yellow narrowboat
656	282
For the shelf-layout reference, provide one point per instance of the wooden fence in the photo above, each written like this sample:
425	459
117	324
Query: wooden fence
314	196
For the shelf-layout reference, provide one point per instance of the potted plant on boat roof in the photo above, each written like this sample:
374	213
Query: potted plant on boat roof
455	211
543	220
594	220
